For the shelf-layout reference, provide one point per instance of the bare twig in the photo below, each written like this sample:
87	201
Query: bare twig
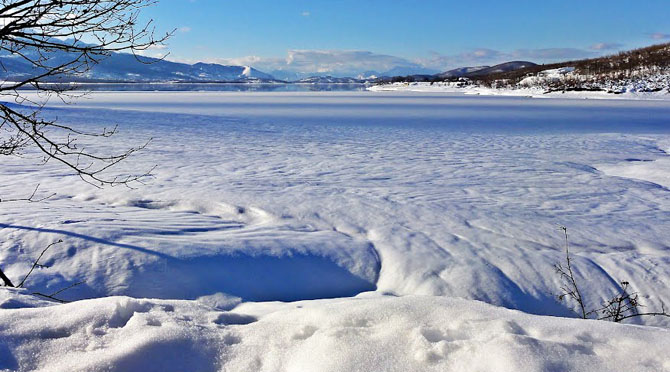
663	313
66	288
36	263
31	198
624	305
5	279
52	296
64	149
33	32
569	287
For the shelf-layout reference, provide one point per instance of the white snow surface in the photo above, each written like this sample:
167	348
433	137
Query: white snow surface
551	75
528	87
404	334
387	216
656	171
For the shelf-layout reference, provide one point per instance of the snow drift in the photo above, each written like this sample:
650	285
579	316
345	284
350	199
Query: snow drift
423	213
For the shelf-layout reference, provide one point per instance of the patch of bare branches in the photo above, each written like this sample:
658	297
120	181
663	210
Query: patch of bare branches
59	40
623	305
86	31
8	283
52	296
33	198
37	264
619	66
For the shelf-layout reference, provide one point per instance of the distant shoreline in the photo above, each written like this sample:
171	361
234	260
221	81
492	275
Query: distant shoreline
534	92
205	86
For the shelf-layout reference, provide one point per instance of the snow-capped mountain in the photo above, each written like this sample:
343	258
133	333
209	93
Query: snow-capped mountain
461	71
216	72
408	70
367	75
485	70
328	80
502	67
126	67
640	71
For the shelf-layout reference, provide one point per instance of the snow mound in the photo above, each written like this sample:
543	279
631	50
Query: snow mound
198	249
656	171
356	334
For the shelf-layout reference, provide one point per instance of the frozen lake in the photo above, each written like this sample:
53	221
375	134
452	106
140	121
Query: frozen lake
307	196
407	193
455	112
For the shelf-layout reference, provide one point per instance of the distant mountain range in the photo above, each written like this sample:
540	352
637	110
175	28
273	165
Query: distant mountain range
124	67
328	80
485	70
643	70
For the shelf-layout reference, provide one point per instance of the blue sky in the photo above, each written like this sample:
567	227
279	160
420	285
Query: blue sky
345	37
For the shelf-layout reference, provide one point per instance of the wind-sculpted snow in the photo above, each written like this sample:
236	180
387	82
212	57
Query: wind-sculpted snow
446	209
186	250
304	196
655	170
413	333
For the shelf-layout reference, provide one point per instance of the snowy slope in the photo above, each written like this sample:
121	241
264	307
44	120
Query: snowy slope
462	71
643	72
636	90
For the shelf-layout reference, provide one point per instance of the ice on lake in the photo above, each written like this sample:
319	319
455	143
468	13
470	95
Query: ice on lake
316	195
366	199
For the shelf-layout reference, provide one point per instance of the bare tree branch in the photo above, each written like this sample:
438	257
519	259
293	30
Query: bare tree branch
624	305
66	288
37	262
53	297
569	287
5	279
58	40
31	198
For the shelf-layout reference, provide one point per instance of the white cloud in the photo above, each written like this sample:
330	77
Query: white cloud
606	46
155	51
342	61
184	29
305	14
484	56
552	54
300	62
470	58
659	36
255	61
307	62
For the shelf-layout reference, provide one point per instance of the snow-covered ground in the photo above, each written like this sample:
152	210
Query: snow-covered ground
386	215
368	333
527	88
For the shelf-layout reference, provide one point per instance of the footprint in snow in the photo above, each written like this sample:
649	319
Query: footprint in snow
234	319
304	332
